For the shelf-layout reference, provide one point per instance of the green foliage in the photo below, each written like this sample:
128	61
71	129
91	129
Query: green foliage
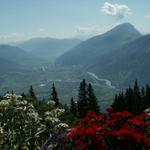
92	100
73	107
31	92
134	99
26	123
87	100
82	99
54	96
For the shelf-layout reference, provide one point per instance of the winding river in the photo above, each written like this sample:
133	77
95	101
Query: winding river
107	82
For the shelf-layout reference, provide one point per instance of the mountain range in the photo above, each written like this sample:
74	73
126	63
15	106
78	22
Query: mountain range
48	48
120	55
33	53
96	47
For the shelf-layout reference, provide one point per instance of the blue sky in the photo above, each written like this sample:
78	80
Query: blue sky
25	19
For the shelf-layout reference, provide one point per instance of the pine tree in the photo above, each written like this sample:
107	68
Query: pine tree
82	99
128	99
119	103
31	92
147	97
135	100
92	100
73	107
54	96
23	96
66	108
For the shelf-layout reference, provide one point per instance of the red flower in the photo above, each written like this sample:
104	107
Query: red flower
147	142
109	109
136	122
99	130
137	137
91	131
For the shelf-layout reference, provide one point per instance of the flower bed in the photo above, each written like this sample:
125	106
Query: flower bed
115	131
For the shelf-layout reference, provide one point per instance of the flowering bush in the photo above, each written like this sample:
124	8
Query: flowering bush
22	127
115	131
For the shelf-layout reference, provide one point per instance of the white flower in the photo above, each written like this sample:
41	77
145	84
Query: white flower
58	112
4	103
33	115
52	120
1	130
12	96
51	103
62	125
147	111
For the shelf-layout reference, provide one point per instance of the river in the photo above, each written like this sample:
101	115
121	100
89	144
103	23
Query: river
107	82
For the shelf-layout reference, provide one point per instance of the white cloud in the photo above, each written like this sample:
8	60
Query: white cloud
87	30
119	11
147	16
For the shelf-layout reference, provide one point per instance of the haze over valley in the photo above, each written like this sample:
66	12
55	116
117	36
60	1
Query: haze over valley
110	61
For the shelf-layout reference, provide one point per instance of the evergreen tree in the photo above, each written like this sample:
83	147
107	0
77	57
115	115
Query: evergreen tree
54	96
31	92
147	97
66	108
143	92
134	100
119	103
1	97
128	99
73	107
137	107
23	96
82	99
92	100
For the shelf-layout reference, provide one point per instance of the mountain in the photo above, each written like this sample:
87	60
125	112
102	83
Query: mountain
93	49
8	66
48	47
13	53
130	62
19	56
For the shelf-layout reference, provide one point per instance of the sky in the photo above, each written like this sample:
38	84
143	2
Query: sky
24	19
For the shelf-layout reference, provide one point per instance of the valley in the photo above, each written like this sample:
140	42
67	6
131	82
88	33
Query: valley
66	79
110	62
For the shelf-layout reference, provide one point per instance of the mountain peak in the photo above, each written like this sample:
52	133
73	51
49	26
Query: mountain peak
125	28
96	47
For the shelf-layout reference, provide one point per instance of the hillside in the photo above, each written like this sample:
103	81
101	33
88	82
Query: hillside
8	66
48	47
88	52
19	56
13	53
130	62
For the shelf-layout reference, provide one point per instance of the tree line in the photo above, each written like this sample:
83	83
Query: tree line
87	101
134	100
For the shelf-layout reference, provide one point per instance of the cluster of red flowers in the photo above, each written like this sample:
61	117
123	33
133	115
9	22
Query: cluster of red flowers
120	130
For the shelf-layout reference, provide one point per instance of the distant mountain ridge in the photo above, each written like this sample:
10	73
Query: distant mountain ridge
8	66
130	63
13	53
48	47
95	48
120	55
16	57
